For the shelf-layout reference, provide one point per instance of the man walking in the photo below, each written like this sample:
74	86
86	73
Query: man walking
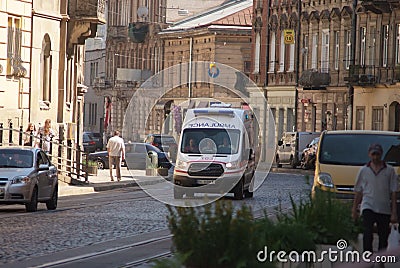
116	151
375	188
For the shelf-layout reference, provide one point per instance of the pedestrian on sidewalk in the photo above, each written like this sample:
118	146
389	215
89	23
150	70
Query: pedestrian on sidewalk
30	136
375	189
116	153
46	134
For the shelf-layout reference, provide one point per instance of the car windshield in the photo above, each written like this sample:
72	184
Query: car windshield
350	149
210	141
16	158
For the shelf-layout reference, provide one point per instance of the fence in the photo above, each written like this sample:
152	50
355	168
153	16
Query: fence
71	162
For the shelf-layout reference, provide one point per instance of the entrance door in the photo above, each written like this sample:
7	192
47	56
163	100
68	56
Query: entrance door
394	116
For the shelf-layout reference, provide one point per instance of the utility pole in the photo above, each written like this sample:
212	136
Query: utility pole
298	34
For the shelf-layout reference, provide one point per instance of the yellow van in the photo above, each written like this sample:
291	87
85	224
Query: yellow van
341	154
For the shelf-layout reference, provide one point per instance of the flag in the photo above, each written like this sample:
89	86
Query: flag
107	118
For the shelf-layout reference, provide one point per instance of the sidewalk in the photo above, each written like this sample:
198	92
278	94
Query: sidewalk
102	182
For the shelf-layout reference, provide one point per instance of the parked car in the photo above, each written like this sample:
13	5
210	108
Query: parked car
165	143
27	177
98	138
88	142
291	146
309	155
135	155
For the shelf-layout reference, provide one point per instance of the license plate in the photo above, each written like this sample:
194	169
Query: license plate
205	181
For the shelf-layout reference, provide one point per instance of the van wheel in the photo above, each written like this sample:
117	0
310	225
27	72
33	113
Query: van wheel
52	203
278	164
33	204
248	194
178	194
293	162
238	190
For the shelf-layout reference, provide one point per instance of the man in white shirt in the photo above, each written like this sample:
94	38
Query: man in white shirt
376	188
116	153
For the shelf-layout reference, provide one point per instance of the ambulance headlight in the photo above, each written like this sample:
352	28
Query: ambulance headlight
233	165
181	164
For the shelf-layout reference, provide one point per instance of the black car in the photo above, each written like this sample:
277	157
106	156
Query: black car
88	142
98	138
165	143
135	154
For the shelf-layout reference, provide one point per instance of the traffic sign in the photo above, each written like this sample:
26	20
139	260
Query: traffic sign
288	35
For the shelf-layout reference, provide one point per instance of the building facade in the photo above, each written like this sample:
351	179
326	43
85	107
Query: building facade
376	72
133	54
95	67
221	35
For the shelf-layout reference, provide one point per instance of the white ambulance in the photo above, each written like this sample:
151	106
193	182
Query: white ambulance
216	153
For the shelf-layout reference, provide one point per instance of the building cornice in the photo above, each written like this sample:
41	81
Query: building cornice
48	15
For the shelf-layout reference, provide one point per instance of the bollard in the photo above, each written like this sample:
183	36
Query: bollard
20	135
10	134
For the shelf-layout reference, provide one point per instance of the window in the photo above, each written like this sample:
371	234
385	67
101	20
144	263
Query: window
92	113
282	54
257	54
347	53
272	52
385	43
246	67
291	57
290	120
377	118
363	32
14	45
305	52
372	43
337	52
314	53
94	71
46	68
360	118
325	51
398	44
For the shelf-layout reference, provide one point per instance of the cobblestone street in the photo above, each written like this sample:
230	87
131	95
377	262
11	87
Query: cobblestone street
89	219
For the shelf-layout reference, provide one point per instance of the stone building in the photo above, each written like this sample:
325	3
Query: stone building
220	35
375	75
274	60
42	63
133	54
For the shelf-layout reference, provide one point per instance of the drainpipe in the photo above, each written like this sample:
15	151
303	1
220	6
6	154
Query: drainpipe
30	66
265	114
352	61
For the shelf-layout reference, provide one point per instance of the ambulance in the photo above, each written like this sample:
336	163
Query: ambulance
216	152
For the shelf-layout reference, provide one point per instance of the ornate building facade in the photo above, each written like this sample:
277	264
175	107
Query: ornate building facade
375	75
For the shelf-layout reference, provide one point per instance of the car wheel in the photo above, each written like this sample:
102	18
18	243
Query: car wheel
52	203
33	204
100	164
238	190
178	194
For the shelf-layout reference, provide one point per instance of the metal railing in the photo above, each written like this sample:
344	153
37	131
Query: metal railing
70	161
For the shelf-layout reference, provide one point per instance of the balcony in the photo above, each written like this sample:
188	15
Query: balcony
314	79
379	6
88	10
138	31
364	75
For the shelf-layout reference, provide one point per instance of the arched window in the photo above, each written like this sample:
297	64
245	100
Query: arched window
46	68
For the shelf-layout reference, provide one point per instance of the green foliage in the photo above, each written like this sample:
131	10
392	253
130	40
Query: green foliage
90	163
216	236
327	218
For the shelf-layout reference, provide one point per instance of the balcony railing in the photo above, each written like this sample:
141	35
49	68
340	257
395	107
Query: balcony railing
315	78
92	10
117	32
378	6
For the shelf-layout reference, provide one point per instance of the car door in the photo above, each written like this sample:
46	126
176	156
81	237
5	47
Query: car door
42	177
52	178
